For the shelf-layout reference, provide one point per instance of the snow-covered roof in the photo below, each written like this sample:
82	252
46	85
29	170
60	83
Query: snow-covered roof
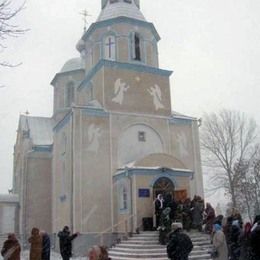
182	116
40	129
9	198
121	8
72	64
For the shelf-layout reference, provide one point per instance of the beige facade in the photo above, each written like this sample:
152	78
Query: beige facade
115	141
9	213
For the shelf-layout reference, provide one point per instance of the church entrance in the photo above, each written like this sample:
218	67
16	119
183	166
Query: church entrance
163	186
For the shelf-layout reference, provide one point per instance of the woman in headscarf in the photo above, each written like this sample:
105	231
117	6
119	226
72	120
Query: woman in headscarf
209	218
36	244
158	208
219	243
11	249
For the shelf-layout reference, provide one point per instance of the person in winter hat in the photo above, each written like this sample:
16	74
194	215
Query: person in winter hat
180	245
219	243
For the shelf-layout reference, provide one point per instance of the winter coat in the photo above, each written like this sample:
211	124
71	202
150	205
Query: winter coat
36	245
46	247
11	249
197	213
179	246
235	246
66	243
210	217
219	243
255	242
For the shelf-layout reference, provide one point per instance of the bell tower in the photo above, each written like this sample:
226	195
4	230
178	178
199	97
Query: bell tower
122	48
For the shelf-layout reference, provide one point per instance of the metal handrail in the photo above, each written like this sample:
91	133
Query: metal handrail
115	225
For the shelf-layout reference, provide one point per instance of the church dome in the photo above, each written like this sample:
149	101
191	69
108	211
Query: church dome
126	8
72	64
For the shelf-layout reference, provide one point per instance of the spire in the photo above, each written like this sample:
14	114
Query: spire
116	8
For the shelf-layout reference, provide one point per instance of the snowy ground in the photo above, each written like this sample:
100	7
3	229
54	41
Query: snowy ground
54	256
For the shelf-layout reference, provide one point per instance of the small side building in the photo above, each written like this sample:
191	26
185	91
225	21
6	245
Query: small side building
9	208
32	173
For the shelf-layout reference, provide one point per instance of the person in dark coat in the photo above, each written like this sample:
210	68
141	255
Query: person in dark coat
209	218
235	240
228	232
36	244
245	242
46	246
66	243
197	213
170	203
186	215
180	245
11	249
158	208
255	241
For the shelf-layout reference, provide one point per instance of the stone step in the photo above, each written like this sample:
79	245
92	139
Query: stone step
146	246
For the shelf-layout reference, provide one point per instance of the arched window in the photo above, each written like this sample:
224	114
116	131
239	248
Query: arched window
110	47
128	1
136	46
113	1
70	95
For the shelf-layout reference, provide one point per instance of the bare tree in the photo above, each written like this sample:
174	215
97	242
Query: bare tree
228	138
248	189
7	27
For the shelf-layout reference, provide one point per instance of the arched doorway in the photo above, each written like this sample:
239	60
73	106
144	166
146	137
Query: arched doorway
163	186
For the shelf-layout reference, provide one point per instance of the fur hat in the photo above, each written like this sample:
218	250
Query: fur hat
176	225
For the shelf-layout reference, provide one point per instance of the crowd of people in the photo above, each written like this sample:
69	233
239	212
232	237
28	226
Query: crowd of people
191	213
231	238
40	246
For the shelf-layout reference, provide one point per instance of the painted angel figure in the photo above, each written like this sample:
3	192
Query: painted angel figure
94	134
120	89
156	93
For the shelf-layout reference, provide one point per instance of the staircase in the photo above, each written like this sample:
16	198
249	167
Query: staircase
145	246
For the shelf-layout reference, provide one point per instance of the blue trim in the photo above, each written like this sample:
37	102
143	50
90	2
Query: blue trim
118	20
42	148
161	172
63	122
164	175
64	74
121	65
180	121
93	111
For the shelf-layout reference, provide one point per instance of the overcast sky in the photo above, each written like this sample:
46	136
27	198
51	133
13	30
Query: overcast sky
211	45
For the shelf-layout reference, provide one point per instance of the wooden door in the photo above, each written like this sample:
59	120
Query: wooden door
180	195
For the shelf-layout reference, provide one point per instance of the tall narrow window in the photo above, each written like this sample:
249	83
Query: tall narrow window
136	47
70	95
110	48
123	199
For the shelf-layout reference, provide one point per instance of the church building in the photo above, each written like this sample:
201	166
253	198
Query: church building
113	142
